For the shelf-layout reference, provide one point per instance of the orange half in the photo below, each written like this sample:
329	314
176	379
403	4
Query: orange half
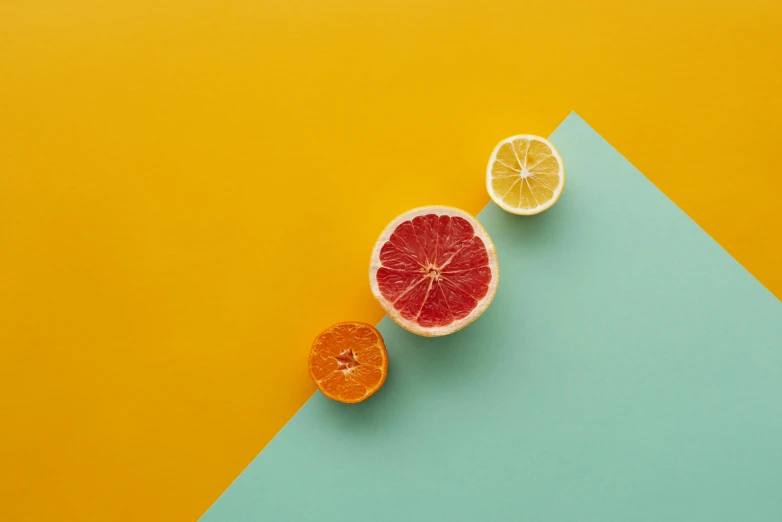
349	361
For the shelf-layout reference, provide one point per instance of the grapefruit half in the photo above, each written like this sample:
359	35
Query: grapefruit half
434	270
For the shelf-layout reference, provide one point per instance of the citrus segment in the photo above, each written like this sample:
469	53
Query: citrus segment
525	174
348	362
434	270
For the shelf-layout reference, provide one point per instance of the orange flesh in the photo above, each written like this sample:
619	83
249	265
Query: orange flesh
349	362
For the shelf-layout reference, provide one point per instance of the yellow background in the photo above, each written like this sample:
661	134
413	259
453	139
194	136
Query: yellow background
190	190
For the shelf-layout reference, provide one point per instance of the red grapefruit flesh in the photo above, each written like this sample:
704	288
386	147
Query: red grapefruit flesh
434	270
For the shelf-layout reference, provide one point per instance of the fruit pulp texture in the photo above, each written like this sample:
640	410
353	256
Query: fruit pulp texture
525	174
434	269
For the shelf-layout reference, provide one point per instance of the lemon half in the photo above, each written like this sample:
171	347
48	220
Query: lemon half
525	175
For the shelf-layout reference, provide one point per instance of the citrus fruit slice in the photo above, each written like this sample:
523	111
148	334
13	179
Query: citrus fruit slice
525	175
434	270
348	362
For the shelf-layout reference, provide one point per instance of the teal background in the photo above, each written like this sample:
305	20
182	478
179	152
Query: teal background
628	370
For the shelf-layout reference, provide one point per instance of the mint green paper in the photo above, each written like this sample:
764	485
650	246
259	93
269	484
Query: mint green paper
628	370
